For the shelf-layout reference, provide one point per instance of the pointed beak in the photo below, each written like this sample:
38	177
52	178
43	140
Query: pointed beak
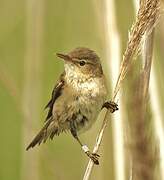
64	56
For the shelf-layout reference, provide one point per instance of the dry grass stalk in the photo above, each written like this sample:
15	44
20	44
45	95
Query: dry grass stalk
143	146
142	143
147	15
144	150
31	91
113	51
96	147
158	118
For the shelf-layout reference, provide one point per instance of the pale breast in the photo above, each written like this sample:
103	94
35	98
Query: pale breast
89	94
89	97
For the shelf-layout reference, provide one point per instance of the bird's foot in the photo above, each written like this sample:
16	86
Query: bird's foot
93	156
111	105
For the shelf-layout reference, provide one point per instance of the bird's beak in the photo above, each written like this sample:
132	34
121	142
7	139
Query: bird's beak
64	56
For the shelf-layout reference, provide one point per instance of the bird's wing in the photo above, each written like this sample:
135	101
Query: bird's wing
57	91
49	130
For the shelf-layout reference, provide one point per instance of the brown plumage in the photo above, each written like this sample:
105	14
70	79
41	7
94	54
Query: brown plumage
55	94
77	98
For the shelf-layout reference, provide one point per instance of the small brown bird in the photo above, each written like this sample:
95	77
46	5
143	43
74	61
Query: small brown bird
77	98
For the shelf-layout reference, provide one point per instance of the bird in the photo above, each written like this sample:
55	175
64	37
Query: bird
77	98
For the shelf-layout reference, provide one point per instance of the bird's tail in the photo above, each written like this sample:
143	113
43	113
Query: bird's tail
49	130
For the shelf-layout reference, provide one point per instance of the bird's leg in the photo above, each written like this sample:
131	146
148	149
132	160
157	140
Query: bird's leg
93	156
111	105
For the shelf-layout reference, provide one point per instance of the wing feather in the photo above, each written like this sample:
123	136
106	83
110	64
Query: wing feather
57	91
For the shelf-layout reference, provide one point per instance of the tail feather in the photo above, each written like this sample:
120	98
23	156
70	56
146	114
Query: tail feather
43	134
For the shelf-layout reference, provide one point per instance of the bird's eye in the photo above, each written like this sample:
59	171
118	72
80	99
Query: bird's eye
82	63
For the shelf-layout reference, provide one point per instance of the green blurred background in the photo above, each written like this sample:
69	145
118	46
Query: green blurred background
31	32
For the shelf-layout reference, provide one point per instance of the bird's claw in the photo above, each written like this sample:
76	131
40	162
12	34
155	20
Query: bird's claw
111	105
93	156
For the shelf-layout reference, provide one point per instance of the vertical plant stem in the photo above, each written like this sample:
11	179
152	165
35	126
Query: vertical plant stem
96	147
112	52
154	98
143	145
32	84
113	55
157	116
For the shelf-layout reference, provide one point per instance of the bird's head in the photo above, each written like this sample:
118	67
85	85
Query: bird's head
82	62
